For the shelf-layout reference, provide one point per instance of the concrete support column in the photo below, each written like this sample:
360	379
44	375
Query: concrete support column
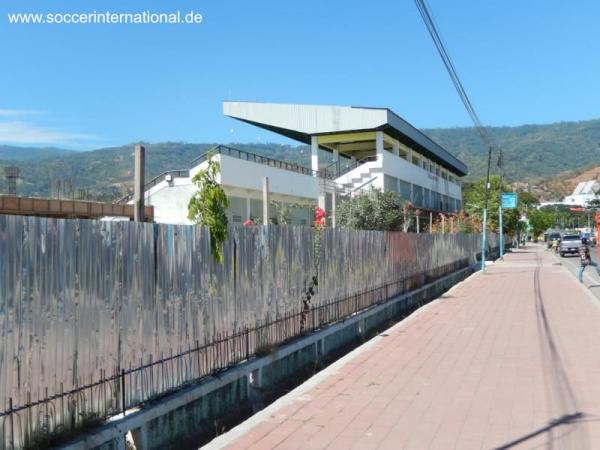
379	145
138	207
314	154
140	439
265	199
409	155
396	148
336	158
322	201
333	207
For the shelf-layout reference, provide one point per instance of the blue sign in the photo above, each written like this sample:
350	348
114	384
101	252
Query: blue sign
508	200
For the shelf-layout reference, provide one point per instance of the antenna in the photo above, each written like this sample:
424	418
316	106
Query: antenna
11	173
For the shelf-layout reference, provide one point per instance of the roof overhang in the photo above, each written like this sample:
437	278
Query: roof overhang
300	122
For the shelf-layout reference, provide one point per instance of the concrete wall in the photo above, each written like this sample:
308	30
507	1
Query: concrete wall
241	179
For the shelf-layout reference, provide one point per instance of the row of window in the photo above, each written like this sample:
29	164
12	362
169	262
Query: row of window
284	213
426	164
420	196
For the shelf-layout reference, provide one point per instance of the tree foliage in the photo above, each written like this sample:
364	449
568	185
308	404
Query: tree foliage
374	210
208	207
474	201
540	220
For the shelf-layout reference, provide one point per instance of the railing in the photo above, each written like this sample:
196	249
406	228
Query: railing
353	166
253	157
90	404
174	173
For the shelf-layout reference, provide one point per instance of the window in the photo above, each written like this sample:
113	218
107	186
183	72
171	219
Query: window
237	208
390	183
256	208
417	195
427	199
405	190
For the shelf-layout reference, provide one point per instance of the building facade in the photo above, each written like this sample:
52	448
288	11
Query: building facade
352	151
584	193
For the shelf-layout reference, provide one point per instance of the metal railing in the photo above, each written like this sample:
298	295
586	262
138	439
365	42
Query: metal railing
326	173
149	185
253	157
125	388
354	165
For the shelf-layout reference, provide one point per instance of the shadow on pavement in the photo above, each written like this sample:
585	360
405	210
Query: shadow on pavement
564	420
558	386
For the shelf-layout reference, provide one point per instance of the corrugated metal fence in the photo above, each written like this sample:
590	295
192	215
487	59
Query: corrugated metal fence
97	316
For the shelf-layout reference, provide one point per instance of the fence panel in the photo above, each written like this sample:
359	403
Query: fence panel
83	301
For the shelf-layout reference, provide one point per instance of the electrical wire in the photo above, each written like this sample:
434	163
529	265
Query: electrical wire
432	28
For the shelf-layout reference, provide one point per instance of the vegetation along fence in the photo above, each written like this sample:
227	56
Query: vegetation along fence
97	317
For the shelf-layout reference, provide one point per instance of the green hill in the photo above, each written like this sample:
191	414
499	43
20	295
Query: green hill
530	152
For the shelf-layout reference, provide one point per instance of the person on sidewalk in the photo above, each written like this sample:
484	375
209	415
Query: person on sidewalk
585	260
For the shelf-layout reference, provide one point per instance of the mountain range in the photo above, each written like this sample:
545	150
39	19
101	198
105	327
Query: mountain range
531	154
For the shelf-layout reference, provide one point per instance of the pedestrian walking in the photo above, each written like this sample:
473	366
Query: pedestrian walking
586	260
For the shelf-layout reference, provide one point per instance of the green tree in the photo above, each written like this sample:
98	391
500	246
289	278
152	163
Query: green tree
208	207
528	199
474	201
540	220
373	210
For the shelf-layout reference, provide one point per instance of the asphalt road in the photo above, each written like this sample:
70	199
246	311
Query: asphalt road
590	277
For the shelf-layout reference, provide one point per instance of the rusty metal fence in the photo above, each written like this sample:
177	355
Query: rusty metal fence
97	317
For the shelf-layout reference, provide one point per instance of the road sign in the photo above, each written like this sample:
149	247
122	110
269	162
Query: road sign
508	200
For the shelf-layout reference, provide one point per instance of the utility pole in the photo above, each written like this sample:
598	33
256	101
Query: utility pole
265	198
140	167
485	208
501	233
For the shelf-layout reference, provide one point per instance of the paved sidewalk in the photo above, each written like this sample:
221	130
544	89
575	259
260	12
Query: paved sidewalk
506	359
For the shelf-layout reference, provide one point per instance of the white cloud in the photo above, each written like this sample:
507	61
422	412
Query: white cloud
15	130
19	132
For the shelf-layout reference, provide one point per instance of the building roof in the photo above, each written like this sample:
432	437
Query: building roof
300	122
586	187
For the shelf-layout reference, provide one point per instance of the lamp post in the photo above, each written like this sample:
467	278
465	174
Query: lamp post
485	208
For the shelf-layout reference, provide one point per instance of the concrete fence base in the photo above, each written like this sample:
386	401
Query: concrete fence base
195	415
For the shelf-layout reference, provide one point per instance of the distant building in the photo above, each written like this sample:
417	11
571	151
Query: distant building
583	194
368	147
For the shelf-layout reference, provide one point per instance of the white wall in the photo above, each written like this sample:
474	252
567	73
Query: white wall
248	175
239	178
402	169
170	200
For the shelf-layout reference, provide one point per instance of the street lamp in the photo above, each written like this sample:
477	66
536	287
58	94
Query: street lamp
485	208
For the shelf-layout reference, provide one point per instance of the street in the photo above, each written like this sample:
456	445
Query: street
590	277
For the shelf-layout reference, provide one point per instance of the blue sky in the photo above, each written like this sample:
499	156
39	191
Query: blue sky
88	86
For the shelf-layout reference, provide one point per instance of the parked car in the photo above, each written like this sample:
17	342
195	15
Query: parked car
569	243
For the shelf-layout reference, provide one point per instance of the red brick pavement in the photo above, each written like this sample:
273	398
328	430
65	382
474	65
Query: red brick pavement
506	359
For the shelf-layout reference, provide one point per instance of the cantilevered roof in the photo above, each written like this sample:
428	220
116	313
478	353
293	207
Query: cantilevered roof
300	122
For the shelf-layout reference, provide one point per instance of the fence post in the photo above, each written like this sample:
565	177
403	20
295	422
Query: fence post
198	358
123	390
12	425
247	343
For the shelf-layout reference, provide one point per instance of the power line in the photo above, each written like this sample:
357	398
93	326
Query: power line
462	93
441	48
